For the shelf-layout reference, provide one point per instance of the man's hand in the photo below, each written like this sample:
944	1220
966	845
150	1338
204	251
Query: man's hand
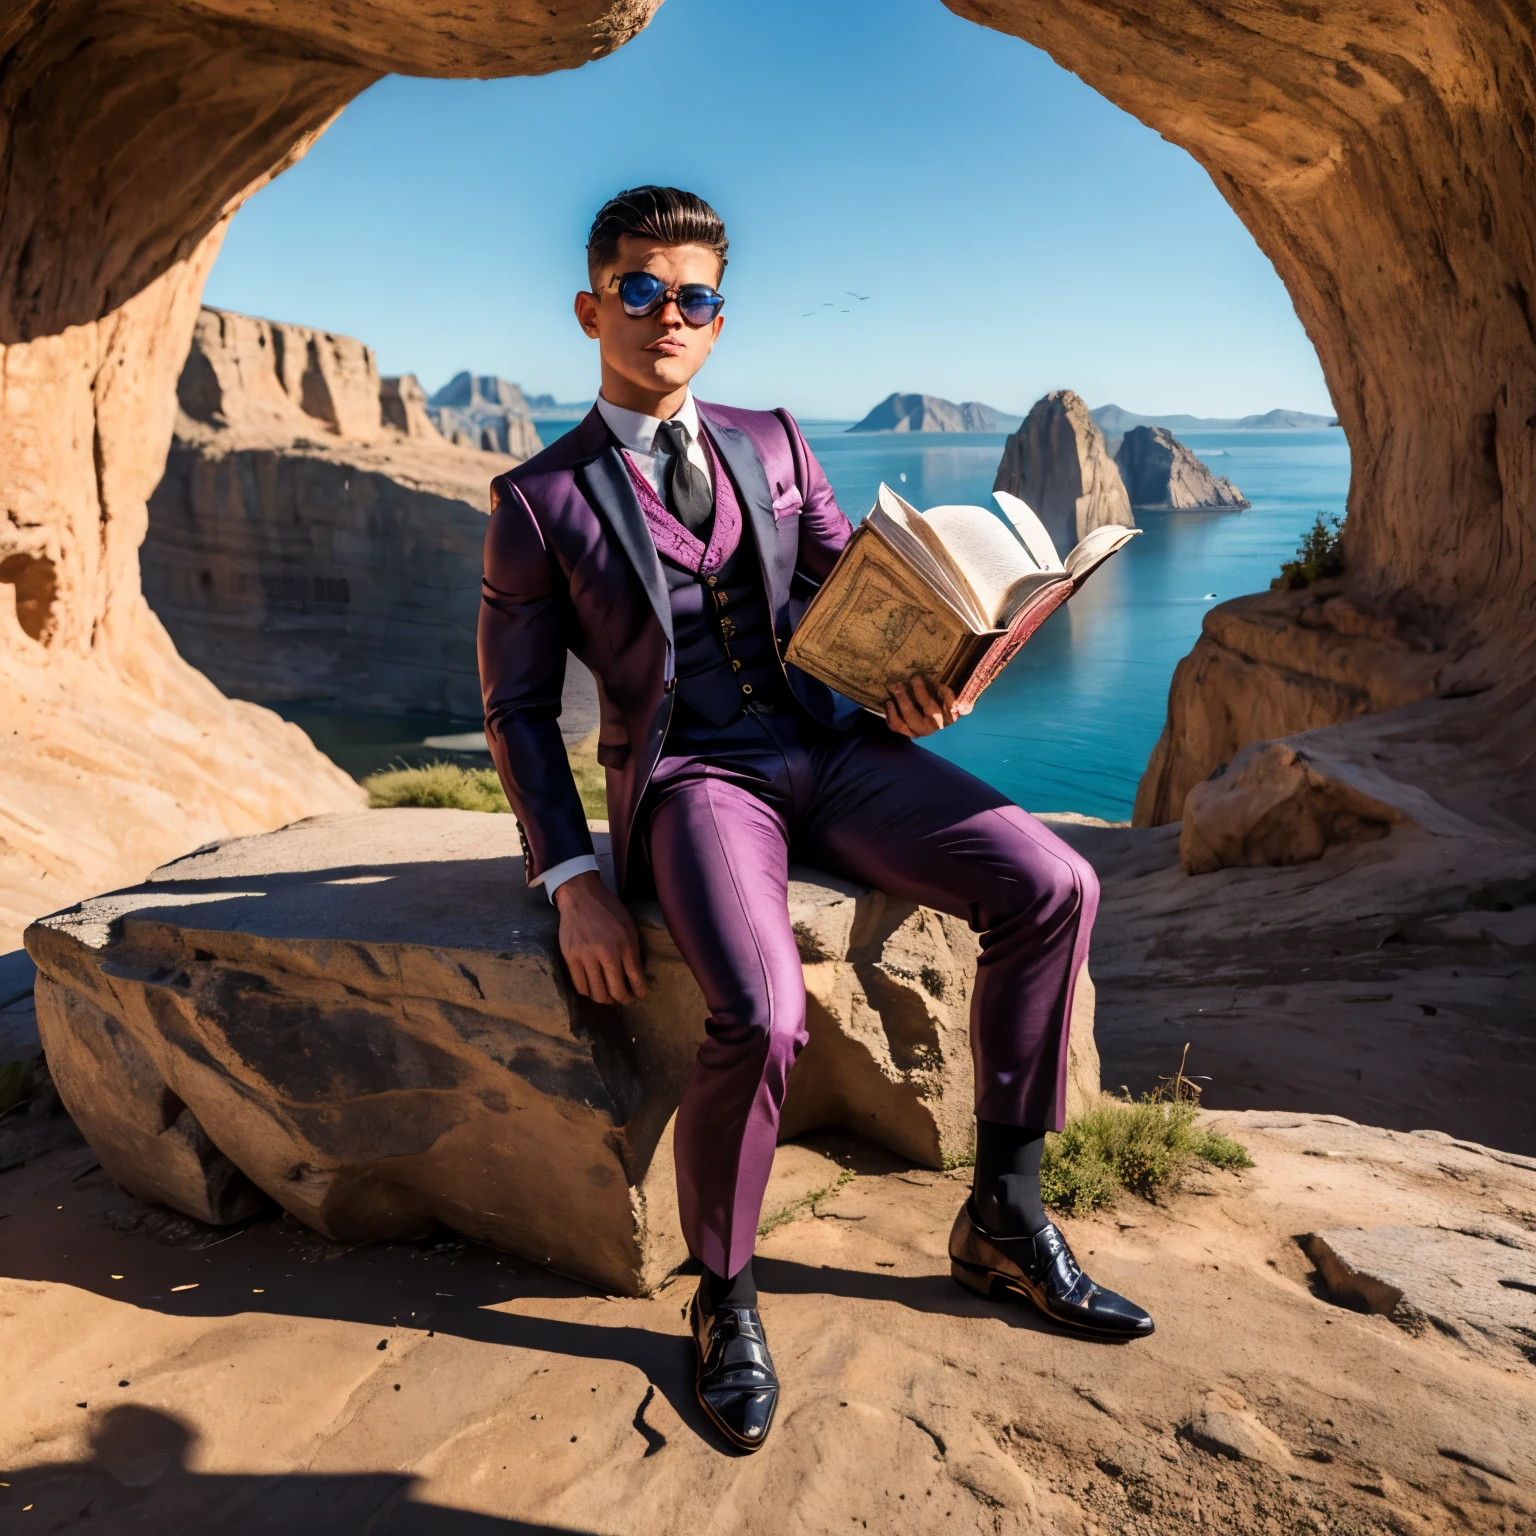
915	709
599	941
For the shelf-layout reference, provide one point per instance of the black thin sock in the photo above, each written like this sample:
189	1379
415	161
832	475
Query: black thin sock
1006	1187
739	1291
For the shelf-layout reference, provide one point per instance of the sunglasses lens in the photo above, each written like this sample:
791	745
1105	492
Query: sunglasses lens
639	293
699	304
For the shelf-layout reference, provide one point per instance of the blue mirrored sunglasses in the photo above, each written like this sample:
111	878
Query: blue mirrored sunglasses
643	293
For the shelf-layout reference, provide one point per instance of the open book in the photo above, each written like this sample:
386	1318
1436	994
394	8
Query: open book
950	594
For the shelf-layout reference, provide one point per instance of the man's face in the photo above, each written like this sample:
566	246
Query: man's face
660	352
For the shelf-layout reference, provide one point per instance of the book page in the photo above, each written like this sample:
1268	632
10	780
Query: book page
988	553
905	529
1094	548
1030	529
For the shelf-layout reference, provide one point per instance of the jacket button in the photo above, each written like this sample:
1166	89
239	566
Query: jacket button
746	687
710	580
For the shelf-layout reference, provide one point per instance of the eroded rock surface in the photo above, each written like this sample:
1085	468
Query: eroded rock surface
1474	1285
1272	665
482	411
1161	472
1273	805
1392	979
314	536
365	1018
1058	463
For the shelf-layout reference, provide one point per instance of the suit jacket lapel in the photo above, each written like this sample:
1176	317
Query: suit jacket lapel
746	469
606	484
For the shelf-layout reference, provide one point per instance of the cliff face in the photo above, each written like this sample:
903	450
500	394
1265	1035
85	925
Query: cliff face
129	132
928	413
303	546
1058	463
1160	471
482	411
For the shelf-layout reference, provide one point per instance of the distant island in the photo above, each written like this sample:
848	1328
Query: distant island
928	413
1113	421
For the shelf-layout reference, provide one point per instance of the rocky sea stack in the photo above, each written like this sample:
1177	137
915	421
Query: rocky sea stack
928	413
1161	472
1058	462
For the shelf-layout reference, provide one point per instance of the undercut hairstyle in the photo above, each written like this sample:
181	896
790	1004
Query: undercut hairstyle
666	214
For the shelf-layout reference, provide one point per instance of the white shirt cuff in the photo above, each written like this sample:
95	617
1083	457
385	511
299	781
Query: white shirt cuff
553	879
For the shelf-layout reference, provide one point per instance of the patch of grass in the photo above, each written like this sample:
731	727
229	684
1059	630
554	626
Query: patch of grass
446	786
437	786
804	1203
1143	1145
1319	554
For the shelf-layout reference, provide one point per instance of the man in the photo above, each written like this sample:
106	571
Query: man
672	546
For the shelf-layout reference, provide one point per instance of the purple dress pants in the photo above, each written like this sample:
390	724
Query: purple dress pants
726	809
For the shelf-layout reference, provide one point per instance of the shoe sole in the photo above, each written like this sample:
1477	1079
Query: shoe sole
739	1441
986	1283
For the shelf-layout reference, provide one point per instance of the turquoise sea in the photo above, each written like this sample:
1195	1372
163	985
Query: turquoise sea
1069	725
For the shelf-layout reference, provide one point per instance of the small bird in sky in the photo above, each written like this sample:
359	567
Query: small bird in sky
852	295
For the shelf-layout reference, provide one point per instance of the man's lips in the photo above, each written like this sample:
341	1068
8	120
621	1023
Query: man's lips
671	345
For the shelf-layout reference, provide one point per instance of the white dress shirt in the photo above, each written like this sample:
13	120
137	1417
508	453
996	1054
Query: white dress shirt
636	435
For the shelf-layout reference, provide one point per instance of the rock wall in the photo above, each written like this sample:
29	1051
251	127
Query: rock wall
302	545
1058	463
129	132
1160	472
1384	158
1274	664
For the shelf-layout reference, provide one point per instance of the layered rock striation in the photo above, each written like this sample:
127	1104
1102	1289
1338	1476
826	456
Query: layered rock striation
1058	463
314	537
928	413
482	411
1161	473
366	1019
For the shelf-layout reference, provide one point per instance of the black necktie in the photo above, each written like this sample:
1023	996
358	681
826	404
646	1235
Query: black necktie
687	486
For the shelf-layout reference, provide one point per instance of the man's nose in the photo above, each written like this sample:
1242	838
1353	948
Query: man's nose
670	314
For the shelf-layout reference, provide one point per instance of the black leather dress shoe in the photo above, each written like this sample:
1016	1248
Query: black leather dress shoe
1040	1269
735	1380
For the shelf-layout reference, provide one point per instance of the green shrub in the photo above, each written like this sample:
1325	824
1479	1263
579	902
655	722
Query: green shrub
1318	555
1143	1145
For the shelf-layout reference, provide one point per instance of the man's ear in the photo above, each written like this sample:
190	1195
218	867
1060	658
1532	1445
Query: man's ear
586	313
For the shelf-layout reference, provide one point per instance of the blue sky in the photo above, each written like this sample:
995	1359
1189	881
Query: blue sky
1014	231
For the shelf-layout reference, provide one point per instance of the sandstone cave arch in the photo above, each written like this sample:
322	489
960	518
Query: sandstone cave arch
1383	157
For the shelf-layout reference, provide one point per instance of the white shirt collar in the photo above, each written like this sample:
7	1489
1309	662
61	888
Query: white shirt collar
637	433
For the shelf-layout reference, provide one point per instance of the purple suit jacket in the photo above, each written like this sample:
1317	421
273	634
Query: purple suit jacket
570	565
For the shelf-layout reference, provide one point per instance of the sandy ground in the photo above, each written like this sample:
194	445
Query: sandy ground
170	1378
